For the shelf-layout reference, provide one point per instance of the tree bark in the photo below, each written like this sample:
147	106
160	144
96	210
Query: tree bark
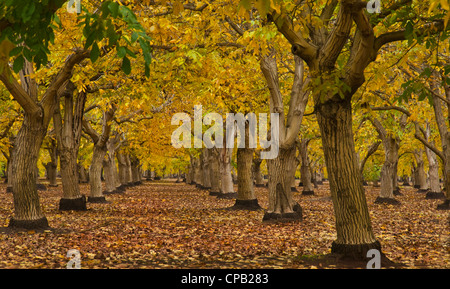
420	179
52	166
227	188
305	171
68	135
281	204
27	210
353	225
433	165
214	171
95	173
206	169
100	149
257	175
245	199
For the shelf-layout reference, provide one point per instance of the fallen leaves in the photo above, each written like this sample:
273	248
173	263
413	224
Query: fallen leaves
170	225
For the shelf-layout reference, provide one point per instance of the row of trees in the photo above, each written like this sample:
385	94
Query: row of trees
327	67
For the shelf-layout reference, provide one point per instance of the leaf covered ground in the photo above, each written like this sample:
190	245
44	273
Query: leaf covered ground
163	224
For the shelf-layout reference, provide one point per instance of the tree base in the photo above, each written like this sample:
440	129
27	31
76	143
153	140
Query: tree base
227	196
293	189
435	195
41	223
295	216
421	191
9	189
53	186
78	204
214	193
396	192
354	251
98	200
307	193
41	187
444	206
249	205
260	185
390	201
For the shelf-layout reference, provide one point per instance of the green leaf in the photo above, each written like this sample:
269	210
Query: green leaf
121	51
15	51
95	52
126	65
114	8
18	63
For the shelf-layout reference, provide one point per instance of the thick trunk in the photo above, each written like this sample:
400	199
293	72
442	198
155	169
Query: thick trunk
68	135
420	178
246	199
433	166
52	173
27	209
257	175
72	198
305	171
227	188
206	169
52	166
281	205
83	174
122	164
95	174
353	225
135	170
214	171
389	171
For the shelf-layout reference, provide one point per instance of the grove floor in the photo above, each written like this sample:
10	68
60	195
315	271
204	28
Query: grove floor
163	224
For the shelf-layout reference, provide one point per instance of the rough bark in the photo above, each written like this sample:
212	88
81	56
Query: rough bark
281	204
27	210
214	171
52	165
68	135
257	175
206	169
305	170
227	188
100	149
433	165
245	199
388	176
282	168
354	229
420	178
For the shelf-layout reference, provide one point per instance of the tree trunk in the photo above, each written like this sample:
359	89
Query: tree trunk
245	199
68	135
27	209
281	205
305	171
389	172
227	188
420	177
354	229
257	175
52	166
95	173
433	165
122	163
214	171
83	174
206	169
